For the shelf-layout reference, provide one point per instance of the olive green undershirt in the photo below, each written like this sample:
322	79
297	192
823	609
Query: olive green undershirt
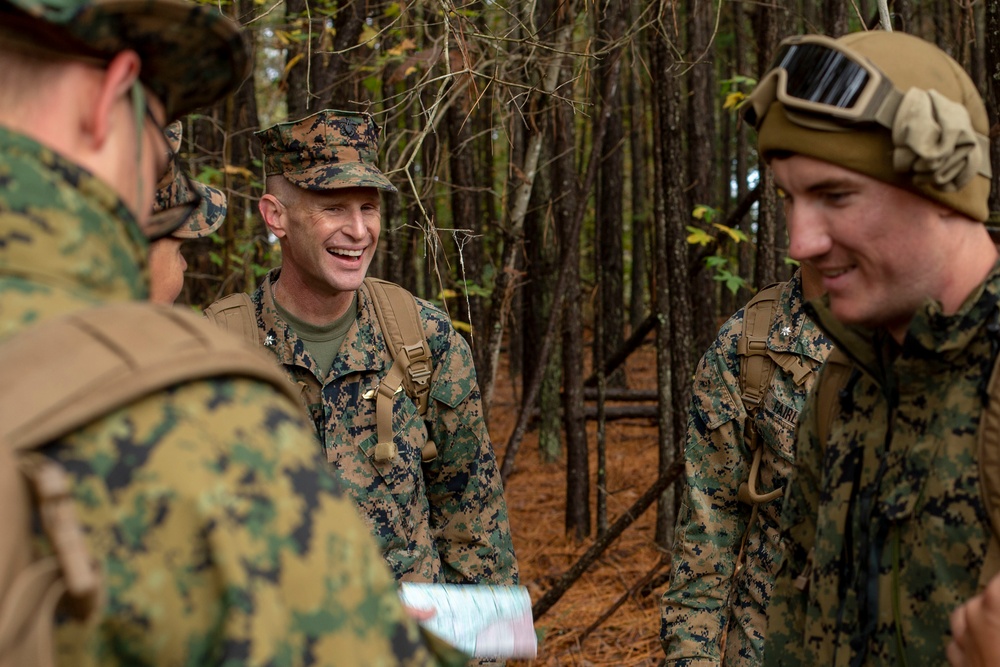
322	342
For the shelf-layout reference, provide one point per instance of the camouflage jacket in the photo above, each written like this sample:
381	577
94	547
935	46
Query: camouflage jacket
887	517
220	539
443	521
706	603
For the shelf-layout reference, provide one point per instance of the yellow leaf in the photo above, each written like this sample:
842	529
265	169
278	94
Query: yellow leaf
409	70
462	326
291	64
698	236
404	46
368	36
238	171
699	212
733	100
447	294
734	234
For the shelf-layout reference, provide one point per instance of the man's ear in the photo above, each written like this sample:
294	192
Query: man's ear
274	214
120	74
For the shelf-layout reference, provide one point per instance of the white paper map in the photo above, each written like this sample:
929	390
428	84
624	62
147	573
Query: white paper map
483	621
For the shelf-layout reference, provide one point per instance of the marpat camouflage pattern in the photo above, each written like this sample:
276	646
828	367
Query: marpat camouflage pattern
891	507
442	521
173	190
327	150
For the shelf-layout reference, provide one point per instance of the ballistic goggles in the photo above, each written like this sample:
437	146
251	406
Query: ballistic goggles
818	76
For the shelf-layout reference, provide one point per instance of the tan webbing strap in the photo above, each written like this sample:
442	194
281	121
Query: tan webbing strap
391	384
104	358
756	367
403	330
989	473
834	377
793	365
108	357
235	314
756	370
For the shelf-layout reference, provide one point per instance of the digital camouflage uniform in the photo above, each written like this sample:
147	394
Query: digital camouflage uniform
892	508
705	603
441	521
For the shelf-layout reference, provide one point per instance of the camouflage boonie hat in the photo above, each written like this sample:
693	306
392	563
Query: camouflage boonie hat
172	191
192	55
328	150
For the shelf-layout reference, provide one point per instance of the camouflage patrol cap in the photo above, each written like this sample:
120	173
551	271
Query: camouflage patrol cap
328	150
172	191
191	54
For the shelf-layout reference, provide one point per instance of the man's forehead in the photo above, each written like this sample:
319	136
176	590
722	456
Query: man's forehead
801	172
345	194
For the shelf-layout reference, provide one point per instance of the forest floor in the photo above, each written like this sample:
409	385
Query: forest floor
536	498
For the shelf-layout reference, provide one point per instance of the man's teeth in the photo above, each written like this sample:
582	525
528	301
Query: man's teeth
345	253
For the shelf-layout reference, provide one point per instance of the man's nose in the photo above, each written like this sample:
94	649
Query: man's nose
356	223
808	236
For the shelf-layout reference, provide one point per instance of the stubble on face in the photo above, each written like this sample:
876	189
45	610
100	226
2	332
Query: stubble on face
881	251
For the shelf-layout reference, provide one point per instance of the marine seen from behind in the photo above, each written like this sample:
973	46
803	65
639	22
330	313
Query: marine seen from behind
214	534
879	146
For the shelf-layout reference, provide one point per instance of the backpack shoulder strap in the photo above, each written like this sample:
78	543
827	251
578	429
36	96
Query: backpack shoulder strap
403	330
65	374
989	472
107	357
756	365
235	313
756	372
836	371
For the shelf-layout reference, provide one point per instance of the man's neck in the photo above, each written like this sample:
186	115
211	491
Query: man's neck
306	304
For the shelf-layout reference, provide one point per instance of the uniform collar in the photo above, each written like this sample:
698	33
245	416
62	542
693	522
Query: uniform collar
363	349
65	228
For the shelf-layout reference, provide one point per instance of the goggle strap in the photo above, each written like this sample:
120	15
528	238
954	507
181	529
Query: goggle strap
886	112
984	146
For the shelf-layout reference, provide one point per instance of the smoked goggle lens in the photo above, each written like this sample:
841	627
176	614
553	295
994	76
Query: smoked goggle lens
818	74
